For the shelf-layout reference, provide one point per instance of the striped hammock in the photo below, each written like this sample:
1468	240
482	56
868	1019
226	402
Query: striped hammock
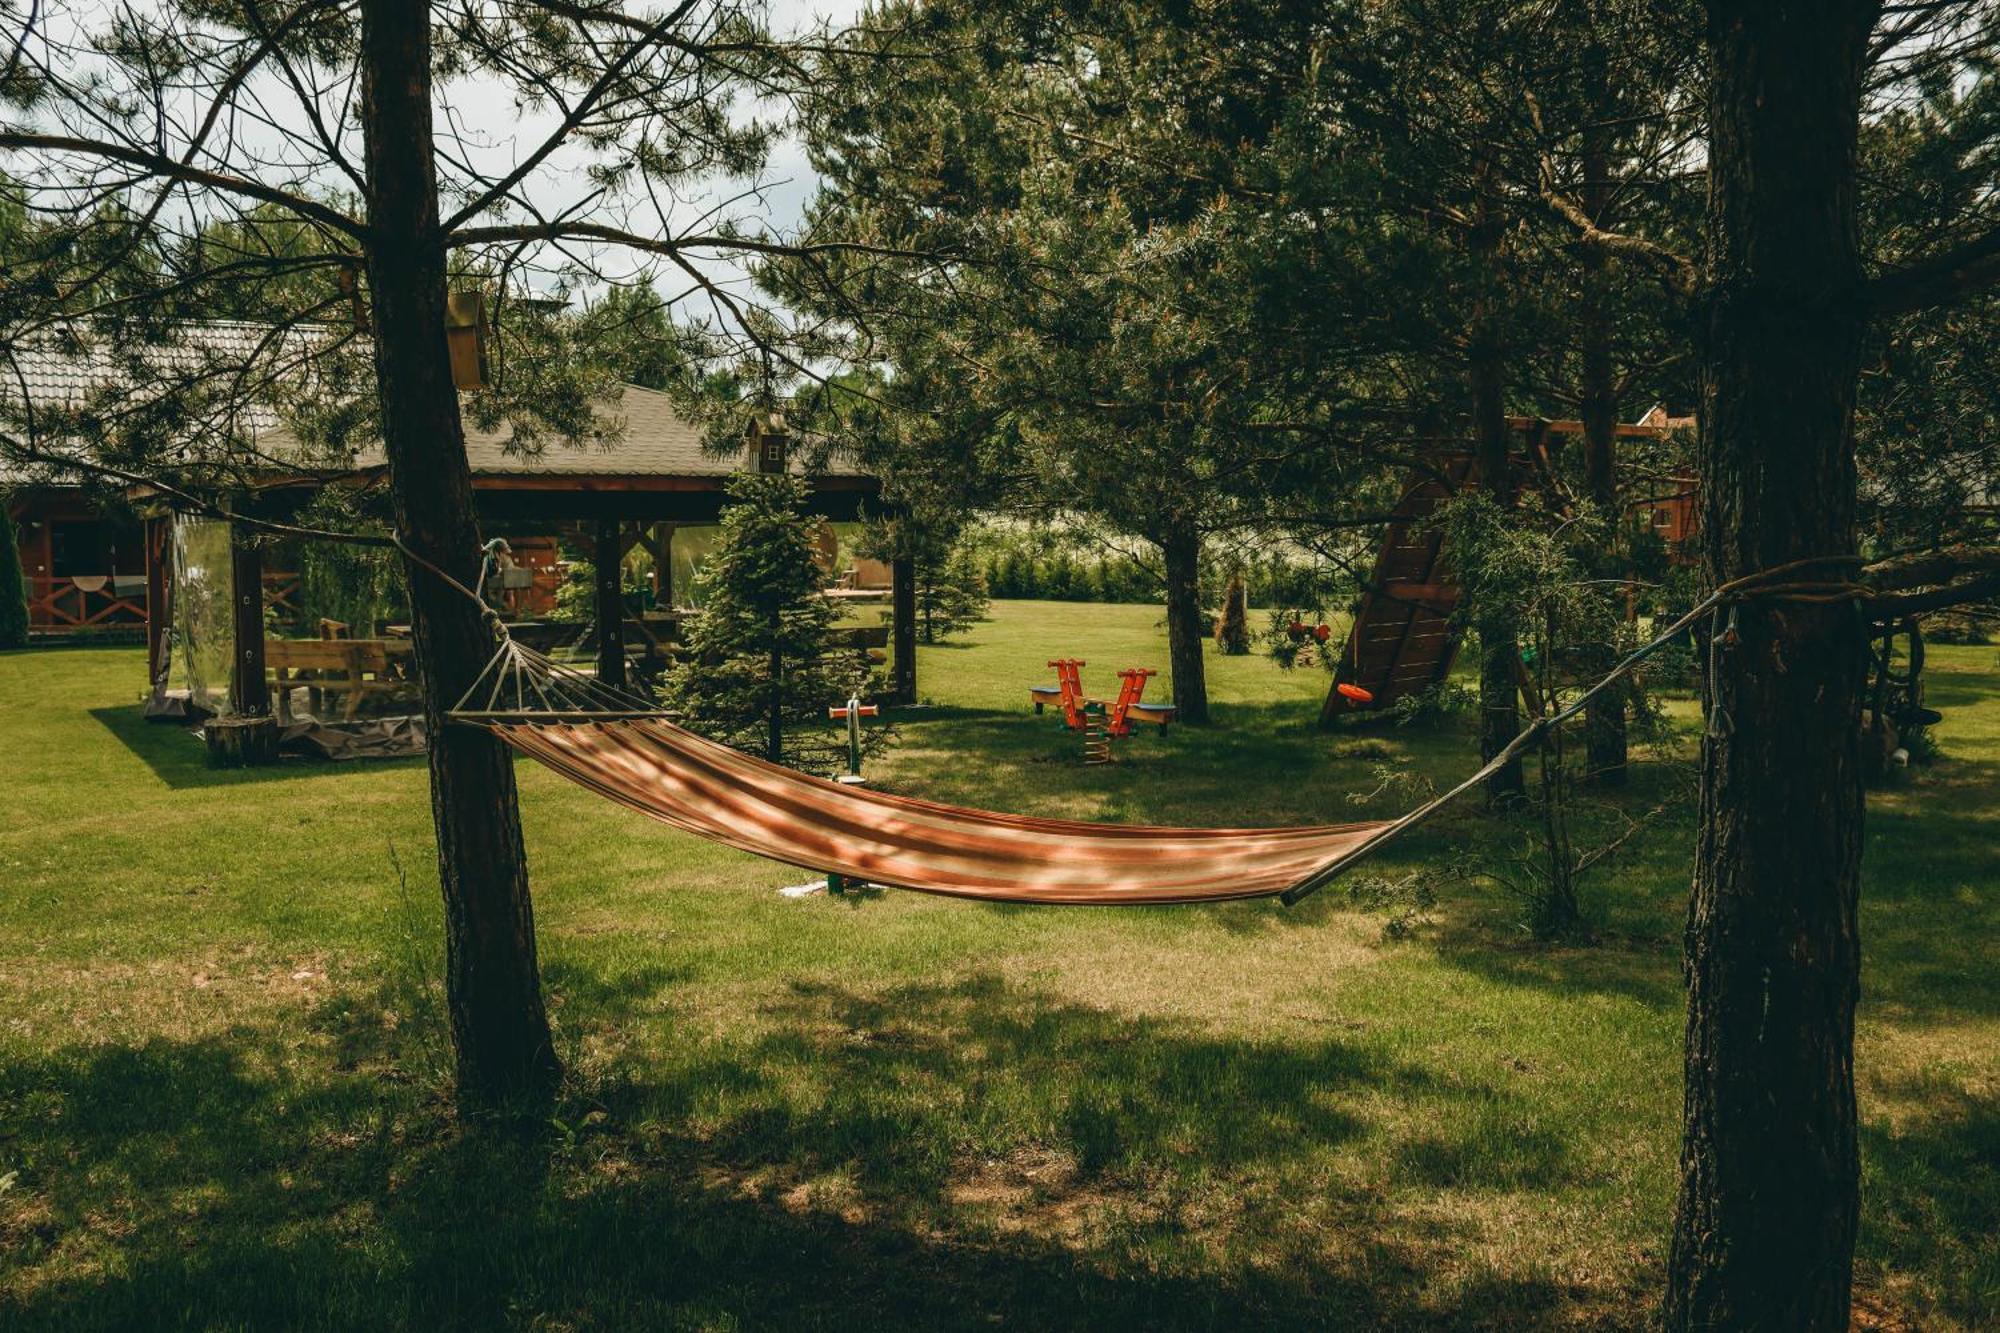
650	765
625	748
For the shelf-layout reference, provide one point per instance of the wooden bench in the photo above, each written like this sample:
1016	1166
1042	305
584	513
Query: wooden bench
353	670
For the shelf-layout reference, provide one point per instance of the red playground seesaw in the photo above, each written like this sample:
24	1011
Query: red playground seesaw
1129	707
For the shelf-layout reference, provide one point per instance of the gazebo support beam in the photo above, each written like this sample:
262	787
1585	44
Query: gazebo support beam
159	599
249	691
660	545
248	736
609	556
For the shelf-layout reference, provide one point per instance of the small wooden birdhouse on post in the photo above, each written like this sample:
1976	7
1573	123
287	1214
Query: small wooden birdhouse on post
768	440
465	332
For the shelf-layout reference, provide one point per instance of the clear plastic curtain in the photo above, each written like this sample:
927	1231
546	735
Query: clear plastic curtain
203	640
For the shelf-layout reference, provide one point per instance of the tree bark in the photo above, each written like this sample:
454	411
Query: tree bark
1186	630
774	721
608	557
492	984
1605	747
1769	1195
1499	632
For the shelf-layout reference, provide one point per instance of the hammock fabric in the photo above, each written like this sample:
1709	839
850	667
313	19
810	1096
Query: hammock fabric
617	744
708	789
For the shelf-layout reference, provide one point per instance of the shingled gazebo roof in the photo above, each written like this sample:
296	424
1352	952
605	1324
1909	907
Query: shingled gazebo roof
656	468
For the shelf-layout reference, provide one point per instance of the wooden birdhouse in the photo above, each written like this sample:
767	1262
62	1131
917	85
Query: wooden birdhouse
465	332
768	441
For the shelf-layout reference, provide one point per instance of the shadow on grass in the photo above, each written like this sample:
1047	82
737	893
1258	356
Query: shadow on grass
1929	917
179	758
227	1182
1646	971
1258	764
1932	1187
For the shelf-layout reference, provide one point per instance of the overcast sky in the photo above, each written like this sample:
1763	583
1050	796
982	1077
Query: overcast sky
484	118
270	141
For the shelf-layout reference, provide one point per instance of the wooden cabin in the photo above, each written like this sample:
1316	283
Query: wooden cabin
84	567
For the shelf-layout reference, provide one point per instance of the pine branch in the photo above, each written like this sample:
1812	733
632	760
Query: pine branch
159	165
1945	279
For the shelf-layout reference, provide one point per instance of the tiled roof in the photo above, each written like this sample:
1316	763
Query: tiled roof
59	372
653	440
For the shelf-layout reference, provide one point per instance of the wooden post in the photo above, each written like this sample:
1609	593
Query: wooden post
663	566
249	735
903	637
249	694
159	599
610	605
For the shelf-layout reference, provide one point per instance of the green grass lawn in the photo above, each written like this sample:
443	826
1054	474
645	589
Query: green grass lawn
223	1099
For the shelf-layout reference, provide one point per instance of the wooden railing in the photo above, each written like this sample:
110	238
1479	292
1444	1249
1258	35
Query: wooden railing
66	605
281	592
106	601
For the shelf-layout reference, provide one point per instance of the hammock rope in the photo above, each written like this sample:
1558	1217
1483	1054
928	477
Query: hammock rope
520	685
623	746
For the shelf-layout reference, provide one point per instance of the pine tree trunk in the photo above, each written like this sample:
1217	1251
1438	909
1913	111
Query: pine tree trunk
927	590
1769	1196
774	721
492	985
1604	717
1186	630
1499	633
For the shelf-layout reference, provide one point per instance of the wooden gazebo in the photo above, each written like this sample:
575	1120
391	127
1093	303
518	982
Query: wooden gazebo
657	477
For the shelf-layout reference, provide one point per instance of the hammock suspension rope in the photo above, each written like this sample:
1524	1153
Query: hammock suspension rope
625	747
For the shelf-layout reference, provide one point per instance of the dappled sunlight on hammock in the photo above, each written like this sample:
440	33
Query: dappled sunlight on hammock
624	747
652	766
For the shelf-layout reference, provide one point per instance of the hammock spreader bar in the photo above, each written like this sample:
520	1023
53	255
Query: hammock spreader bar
625	748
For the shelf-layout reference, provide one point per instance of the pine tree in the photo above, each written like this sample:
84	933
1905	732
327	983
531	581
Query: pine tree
761	670
951	583
951	595
13	591
399	208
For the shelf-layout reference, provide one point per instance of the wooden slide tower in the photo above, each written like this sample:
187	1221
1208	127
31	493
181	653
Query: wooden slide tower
1403	640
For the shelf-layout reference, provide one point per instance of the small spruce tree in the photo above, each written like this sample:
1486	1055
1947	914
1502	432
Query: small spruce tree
951	595
951	584
13	587
760	670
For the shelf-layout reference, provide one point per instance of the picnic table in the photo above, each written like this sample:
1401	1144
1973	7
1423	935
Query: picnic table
351	671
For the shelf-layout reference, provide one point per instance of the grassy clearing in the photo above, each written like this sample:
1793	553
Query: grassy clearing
221	1064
